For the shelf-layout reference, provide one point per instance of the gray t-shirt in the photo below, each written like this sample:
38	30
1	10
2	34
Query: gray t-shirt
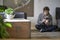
42	16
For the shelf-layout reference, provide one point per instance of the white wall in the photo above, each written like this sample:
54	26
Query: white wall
1	2
38	8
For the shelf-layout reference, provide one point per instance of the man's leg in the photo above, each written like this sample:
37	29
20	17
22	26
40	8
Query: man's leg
40	27
51	28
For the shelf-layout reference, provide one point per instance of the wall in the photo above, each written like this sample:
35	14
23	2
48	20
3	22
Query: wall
38	6
1	2
29	8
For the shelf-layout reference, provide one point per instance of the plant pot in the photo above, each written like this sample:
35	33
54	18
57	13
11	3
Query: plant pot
9	16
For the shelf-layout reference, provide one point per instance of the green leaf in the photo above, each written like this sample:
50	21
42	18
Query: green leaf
9	11
8	25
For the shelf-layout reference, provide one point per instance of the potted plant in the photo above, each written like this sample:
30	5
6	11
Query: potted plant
9	13
2	8
3	26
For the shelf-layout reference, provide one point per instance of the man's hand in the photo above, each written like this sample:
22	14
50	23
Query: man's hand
43	20
47	22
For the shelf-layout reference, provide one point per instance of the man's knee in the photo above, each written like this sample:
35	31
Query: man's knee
38	26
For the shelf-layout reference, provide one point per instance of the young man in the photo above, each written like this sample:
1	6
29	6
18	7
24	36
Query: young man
44	23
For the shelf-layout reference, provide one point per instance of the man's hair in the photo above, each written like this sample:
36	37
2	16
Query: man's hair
46	8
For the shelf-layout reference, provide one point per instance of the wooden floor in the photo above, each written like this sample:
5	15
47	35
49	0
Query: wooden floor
45	35
29	39
36	35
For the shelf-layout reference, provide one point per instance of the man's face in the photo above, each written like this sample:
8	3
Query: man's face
46	12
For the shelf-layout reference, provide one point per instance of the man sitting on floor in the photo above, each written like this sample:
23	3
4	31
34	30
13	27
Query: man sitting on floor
44	23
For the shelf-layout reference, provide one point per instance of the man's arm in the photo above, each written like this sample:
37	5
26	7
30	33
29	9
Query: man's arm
39	19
